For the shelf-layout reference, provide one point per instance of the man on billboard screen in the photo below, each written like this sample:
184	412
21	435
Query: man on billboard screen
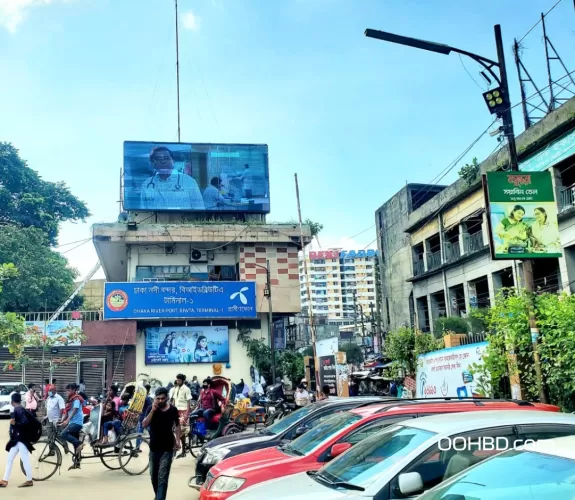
169	187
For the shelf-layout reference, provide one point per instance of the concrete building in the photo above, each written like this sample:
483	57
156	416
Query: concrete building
335	277
435	257
169	250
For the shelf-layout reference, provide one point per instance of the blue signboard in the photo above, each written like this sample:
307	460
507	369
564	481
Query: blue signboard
180	299
279	330
553	153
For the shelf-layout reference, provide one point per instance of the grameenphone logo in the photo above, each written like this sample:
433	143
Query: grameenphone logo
240	294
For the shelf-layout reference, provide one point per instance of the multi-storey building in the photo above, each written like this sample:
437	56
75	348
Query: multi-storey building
435	258
339	279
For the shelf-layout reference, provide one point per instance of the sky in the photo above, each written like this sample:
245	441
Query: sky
355	118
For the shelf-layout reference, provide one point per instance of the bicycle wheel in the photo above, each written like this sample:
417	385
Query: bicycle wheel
195	444
134	454
45	460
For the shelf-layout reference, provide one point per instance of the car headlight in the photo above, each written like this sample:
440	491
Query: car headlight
214	455
227	483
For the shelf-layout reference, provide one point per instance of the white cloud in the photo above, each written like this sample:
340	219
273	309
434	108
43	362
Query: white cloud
14	12
190	21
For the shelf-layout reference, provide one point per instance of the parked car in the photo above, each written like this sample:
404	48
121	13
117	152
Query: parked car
6	391
328	440
404	460
281	432
543	470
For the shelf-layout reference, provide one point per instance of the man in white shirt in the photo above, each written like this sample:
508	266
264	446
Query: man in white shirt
169	188
213	199
55	405
181	396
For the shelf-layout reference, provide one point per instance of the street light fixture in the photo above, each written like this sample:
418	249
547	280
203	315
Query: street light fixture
504	108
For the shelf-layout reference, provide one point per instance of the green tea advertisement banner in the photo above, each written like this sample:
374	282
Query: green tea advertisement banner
523	215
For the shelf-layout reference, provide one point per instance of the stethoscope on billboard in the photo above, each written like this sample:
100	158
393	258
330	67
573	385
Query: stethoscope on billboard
177	187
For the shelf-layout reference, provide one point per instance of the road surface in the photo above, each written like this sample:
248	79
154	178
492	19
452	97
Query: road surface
94	481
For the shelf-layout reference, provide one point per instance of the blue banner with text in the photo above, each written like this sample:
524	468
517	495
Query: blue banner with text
180	299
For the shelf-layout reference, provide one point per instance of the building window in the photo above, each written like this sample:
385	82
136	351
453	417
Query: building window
222	273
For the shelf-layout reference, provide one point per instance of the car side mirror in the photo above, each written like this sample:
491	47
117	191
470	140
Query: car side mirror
301	430
339	448
410	483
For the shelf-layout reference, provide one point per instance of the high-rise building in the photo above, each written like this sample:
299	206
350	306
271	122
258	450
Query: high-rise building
335	276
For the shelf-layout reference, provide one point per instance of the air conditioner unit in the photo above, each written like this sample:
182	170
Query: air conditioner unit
170	249
198	256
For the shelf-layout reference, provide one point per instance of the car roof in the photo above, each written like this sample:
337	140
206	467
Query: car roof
454	423
563	447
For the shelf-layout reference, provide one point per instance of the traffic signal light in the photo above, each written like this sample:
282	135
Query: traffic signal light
496	101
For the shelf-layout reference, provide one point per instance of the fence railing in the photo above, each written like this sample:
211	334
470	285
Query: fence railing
64	316
452	252
473	338
418	267
567	198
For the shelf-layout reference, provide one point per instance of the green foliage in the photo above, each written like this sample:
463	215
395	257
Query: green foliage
451	324
315	227
308	351
7	271
44	278
353	352
292	366
508	329
470	171
403	346
28	201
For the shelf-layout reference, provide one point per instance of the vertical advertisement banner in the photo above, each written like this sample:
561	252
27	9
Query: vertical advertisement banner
522	215
328	373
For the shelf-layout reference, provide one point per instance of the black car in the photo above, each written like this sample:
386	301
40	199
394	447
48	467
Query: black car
288	428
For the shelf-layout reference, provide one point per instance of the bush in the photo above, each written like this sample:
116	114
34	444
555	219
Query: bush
451	324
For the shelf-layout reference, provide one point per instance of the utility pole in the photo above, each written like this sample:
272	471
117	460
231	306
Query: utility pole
508	131
308	285
354	313
373	323
270	322
178	69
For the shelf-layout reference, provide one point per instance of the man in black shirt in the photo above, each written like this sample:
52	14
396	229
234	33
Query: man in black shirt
162	421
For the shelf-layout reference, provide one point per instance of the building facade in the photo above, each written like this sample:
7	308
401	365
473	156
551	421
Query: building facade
436	259
168	253
342	284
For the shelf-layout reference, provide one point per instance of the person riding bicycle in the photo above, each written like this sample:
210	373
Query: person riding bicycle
208	401
74	419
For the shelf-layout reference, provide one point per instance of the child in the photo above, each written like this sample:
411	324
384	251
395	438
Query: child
110	420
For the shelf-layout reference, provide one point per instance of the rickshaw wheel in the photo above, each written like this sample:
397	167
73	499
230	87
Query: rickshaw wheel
195	444
134	459
45	460
110	459
231	428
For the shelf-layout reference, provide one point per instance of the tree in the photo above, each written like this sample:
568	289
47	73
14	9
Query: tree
353	353
26	200
403	347
44	278
292	366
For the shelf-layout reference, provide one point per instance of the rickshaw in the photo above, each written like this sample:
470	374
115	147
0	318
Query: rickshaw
128	452
244	414
221	423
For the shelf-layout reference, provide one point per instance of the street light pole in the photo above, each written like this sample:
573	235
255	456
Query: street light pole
268	294
507	118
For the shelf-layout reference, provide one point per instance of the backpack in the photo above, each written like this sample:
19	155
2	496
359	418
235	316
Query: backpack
32	429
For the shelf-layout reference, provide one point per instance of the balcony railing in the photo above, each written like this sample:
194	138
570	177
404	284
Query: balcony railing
418	267
433	260
452	252
473	242
567	198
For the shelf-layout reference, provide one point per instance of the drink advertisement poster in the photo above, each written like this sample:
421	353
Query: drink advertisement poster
522	215
328	373
449	373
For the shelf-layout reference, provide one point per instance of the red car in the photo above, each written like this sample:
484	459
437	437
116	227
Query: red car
331	438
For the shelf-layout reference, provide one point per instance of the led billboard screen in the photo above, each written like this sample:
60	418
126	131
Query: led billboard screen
196	177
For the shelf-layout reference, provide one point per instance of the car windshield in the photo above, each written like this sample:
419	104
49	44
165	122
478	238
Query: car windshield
369	458
6	390
314	437
513	475
290	419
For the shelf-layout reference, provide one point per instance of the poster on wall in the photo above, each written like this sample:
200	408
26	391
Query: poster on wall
448	373
522	215
187	344
328	373
57	331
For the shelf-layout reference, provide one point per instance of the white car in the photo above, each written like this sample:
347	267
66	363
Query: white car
407	459
543	470
6	391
